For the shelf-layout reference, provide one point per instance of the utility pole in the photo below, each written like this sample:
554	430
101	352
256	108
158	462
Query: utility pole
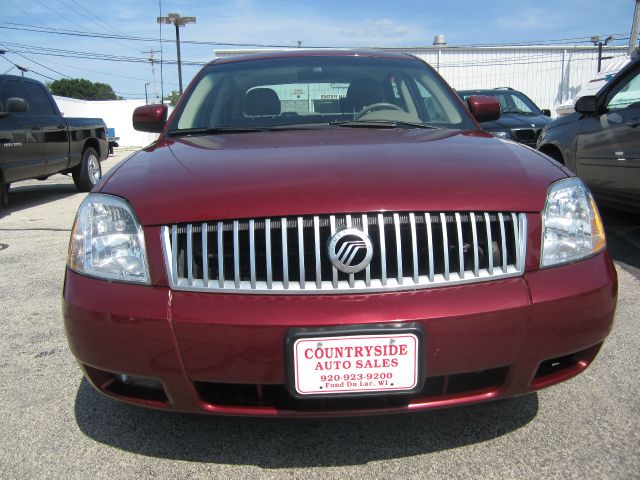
633	38
178	21
596	41
153	61
146	97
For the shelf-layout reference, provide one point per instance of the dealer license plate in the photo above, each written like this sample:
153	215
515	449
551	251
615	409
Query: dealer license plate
356	364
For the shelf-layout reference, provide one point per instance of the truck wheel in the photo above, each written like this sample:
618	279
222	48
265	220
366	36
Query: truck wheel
4	192
88	172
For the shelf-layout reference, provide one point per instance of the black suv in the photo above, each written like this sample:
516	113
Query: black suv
520	119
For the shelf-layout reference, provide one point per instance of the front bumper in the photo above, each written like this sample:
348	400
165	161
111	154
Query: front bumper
225	354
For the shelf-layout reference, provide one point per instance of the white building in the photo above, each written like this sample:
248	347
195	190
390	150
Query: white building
549	75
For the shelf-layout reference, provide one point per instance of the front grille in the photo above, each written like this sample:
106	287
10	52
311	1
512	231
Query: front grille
526	135
289	255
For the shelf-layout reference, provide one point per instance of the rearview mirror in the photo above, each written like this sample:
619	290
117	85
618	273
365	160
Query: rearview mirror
150	118
17	105
586	104
546	112
483	108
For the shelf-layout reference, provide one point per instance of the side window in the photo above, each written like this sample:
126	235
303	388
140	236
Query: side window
10	89
40	102
627	94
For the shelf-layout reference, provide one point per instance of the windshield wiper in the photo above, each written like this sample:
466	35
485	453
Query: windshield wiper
380	124
213	130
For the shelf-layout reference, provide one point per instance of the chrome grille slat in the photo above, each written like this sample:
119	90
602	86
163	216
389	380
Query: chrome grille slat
220	255
236	255
470	247
267	247
205	254
414	246
445	244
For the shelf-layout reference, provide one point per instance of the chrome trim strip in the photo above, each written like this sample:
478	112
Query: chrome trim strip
383	251
503	238
285	252
445	244
474	233
414	246
334	270
352	277
236	255
190	253
487	222
252	252
365	229
174	252
427	221
316	240
460	249
220	254
267	242
204	233
301	251
396	226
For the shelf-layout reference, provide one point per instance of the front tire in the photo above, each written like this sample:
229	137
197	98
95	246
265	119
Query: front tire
88	172
4	193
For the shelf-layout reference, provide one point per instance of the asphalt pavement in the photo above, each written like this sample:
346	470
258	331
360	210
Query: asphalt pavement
54	425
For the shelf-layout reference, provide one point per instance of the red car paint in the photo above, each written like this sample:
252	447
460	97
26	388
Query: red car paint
502	330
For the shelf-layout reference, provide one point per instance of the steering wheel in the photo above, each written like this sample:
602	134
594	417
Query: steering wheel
377	106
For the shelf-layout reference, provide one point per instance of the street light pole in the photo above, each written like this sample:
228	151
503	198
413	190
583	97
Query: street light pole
178	21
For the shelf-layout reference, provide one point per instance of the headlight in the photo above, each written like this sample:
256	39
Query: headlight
501	134
107	241
571	225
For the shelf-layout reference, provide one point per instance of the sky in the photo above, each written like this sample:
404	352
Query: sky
31	31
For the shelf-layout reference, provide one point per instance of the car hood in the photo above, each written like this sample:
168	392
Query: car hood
283	173
508	121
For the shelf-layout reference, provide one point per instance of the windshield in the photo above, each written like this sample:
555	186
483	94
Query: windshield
510	101
318	91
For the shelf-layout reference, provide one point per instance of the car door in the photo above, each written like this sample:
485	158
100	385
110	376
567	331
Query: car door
21	139
54	128
608	145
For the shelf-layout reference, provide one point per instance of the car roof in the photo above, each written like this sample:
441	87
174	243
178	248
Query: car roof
301	52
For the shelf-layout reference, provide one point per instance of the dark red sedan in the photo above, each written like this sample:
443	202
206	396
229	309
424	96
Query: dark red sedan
322	233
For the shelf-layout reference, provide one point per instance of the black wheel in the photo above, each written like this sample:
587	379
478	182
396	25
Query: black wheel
88	172
4	192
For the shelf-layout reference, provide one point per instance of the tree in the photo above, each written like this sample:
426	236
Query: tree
173	98
82	89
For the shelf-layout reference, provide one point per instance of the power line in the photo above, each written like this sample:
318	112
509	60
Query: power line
60	31
37	63
26	69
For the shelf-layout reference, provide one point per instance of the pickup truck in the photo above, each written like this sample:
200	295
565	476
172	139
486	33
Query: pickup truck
37	142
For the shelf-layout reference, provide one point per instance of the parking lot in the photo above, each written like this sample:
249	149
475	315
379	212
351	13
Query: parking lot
54	425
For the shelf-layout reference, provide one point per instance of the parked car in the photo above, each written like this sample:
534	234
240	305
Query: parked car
520	118
264	258
37	142
600	142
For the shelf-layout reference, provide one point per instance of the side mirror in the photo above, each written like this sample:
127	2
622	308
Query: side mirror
150	118
17	105
586	104
546	112
483	108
